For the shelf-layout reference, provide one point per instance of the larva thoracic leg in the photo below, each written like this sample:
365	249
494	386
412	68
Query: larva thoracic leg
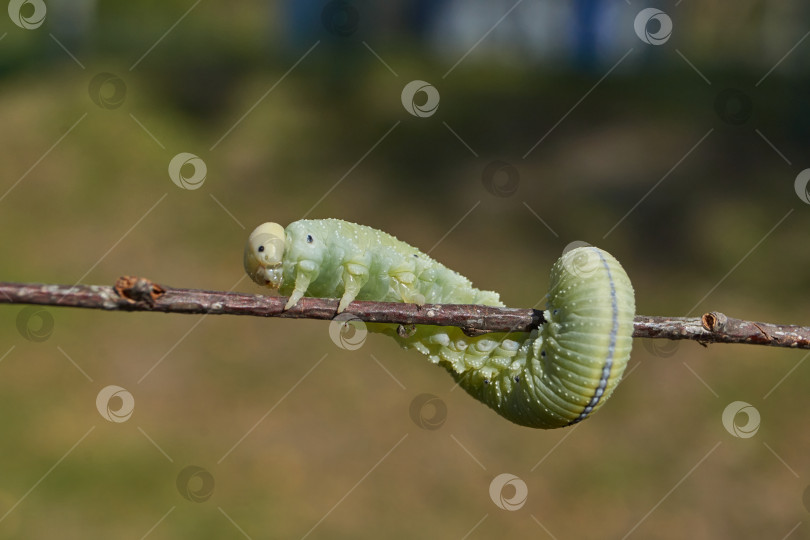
355	277
551	377
305	273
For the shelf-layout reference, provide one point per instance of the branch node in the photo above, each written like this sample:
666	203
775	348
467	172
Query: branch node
138	289
714	321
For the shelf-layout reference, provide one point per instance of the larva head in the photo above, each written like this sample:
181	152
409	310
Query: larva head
263	254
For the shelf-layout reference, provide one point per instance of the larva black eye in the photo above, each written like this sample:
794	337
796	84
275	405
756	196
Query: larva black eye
261	249
517	379
309	239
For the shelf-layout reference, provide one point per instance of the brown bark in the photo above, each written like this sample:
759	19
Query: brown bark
140	294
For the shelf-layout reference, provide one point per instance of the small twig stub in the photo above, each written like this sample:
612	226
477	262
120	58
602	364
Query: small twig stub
137	289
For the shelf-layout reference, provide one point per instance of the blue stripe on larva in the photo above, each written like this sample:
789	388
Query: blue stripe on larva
614	330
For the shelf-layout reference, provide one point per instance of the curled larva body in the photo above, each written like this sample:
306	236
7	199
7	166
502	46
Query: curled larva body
561	373
551	377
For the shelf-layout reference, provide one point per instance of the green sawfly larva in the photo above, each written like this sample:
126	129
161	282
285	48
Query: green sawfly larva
551	377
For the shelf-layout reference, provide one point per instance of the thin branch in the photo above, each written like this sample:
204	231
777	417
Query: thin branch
139	294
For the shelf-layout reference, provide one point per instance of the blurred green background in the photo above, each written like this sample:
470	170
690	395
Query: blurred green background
678	157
